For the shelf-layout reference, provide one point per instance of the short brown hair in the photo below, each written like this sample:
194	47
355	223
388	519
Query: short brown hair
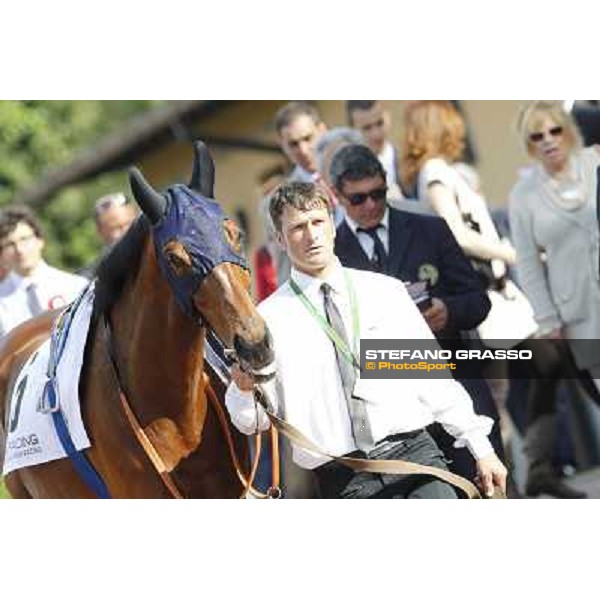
11	216
298	195
354	105
292	110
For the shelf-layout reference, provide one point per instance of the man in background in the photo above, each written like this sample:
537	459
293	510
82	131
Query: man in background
372	119
299	127
32	286
113	216
422	251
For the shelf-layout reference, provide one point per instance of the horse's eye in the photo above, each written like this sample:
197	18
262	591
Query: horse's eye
177	263
233	235
177	258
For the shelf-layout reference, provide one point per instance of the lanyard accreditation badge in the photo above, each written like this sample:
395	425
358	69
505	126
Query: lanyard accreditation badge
348	354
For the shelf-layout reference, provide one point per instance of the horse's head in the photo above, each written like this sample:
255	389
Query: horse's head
200	253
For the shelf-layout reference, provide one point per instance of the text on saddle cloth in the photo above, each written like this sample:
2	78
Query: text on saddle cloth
31	435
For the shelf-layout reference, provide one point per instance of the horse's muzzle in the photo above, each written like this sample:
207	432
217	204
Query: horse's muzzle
256	356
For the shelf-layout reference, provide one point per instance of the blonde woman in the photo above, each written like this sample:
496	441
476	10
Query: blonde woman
552	213
434	141
554	226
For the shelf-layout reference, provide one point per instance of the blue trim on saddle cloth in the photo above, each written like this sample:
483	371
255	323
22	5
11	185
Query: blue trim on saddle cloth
195	222
50	402
80	461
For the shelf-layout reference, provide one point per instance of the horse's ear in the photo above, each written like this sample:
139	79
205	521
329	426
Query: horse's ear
153	204
203	175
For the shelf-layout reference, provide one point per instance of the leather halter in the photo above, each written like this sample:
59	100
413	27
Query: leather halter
155	458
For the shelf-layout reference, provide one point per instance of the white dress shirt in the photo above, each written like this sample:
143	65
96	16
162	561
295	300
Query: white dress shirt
53	288
308	391
7	285
366	241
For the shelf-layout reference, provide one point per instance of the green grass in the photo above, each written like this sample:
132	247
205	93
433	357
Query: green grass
3	492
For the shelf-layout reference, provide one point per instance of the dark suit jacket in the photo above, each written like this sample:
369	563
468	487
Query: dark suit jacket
422	247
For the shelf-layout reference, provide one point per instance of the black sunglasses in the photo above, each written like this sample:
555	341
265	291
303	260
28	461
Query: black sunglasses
377	195
538	136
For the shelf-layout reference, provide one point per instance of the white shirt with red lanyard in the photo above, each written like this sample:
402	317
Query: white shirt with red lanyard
22	298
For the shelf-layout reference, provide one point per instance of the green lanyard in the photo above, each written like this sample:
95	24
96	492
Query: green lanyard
327	328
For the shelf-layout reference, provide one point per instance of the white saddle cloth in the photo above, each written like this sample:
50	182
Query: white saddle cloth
31	438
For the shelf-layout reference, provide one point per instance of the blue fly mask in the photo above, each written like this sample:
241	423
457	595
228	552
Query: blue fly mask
199	225
191	232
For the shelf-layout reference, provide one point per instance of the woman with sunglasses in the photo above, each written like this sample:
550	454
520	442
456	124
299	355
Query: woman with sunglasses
553	222
554	225
434	141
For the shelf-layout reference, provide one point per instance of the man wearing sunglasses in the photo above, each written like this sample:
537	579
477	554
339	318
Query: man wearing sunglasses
32	286
372	120
416	249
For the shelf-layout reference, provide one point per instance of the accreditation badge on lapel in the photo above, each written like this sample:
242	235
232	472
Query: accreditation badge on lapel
428	273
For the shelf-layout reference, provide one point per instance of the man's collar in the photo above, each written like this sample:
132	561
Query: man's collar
385	220
311	285
20	280
301	174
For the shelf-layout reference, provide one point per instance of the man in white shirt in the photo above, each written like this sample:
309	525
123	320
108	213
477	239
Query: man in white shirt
372	119
32	286
299	127
383	418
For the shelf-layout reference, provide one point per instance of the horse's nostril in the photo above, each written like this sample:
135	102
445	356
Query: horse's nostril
254	354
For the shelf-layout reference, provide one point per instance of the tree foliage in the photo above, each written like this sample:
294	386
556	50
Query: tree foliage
39	135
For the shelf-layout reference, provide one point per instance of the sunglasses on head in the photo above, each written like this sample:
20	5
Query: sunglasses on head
538	136
107	202
377	195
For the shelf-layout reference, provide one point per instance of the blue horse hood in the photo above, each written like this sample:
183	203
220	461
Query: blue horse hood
197	223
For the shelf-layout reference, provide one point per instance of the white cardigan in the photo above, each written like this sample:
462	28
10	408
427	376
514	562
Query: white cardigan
564	289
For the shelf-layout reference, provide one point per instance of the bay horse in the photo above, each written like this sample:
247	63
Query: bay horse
178	272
